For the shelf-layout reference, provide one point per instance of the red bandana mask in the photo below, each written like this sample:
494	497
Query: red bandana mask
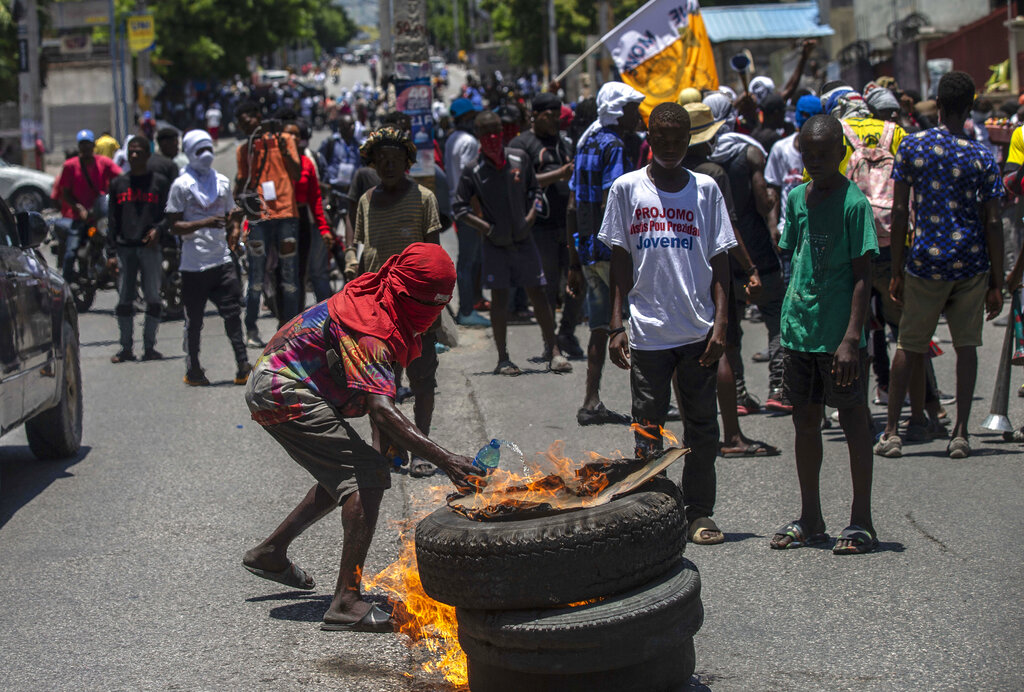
493	148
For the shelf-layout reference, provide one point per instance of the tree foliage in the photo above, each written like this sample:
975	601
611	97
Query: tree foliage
212	38
8	55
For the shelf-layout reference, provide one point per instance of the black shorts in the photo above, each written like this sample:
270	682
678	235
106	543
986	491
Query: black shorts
515	266
807	379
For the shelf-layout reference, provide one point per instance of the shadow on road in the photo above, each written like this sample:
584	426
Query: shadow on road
732	537
24	476
308	607
362	671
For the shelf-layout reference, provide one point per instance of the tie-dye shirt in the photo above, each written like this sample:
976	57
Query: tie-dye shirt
291	377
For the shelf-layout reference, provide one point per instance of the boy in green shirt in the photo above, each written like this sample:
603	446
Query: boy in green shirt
830	230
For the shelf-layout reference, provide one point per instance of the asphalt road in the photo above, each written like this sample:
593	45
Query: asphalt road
120	569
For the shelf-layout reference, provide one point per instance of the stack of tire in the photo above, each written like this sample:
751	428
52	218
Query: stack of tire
587	600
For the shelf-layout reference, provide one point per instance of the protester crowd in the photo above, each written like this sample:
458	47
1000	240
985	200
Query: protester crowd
841	220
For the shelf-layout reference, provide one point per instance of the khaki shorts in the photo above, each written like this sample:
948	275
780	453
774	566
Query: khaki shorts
924	300
333	453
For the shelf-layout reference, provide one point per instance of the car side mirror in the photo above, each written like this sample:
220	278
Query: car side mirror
32	228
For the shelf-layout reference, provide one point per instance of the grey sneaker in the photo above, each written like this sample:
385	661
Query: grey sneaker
958	448
890	446
253	340
560	364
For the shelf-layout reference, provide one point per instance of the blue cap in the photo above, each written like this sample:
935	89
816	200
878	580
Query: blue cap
146	115
85	136
807	106
461	106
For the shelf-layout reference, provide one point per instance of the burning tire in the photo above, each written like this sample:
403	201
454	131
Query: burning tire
652	622
552	560
660	675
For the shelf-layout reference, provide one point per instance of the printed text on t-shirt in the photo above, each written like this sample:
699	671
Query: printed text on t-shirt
661	219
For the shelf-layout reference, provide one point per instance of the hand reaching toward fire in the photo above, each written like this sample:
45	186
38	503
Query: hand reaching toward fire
463	474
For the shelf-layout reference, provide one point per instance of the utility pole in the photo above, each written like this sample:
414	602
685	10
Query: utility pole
553	41
455	25
30	101
119	127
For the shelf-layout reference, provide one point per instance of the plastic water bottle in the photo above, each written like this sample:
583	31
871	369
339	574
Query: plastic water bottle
488	457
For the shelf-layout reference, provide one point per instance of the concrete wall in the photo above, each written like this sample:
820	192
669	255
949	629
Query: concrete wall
79	95
874	16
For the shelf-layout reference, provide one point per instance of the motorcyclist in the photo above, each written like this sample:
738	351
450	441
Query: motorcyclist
83	180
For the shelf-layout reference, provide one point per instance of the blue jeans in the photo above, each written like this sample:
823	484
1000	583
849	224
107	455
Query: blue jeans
276	232
130	260
467	266
319	269
72	240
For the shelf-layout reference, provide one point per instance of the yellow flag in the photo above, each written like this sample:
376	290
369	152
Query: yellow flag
661	49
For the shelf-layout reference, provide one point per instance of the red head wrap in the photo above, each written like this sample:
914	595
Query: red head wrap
395	303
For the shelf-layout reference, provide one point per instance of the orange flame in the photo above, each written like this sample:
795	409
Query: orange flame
430	626
665	434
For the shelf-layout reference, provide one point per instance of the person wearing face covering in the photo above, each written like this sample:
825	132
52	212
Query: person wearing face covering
334	362
200	209
506	190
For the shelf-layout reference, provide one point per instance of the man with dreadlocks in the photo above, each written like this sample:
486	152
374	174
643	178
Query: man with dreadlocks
390	217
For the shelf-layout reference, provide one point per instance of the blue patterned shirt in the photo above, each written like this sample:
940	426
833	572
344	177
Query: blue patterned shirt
952	178
599	162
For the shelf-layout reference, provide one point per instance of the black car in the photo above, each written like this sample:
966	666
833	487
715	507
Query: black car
40	375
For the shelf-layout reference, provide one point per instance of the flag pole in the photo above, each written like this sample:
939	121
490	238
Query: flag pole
575	63
589	51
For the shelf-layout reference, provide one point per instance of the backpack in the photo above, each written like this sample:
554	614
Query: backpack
870	169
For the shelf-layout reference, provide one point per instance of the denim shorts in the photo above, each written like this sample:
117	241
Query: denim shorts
599	294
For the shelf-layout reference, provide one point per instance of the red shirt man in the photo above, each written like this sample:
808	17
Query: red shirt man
84	178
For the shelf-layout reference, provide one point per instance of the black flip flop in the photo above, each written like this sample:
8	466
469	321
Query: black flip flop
601	415
375	620
756	448
421	468
293	576
799	535
863	541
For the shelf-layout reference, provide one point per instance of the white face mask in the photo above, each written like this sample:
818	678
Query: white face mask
204	161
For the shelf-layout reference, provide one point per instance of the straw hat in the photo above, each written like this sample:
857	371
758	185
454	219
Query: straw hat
688	95
702	123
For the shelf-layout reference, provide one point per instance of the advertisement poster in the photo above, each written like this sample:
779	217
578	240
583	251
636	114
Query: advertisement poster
413	97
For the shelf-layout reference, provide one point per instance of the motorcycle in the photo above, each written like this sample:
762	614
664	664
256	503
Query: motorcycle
89	272
335	207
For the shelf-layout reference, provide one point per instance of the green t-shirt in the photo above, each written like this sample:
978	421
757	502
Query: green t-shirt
824	240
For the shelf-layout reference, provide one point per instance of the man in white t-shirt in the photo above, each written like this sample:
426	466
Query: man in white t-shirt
213	118
670	233
200	210
785	167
